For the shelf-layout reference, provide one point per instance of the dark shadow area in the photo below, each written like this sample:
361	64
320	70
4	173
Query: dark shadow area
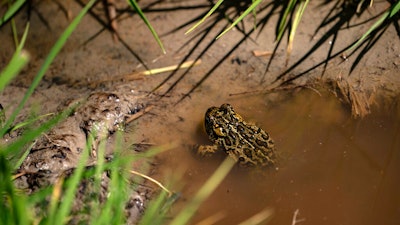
334	22
229	11
338	19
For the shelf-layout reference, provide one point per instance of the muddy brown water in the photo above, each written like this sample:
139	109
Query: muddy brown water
334	169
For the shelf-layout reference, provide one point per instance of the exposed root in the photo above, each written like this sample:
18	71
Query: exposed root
111	12
351	93
354	96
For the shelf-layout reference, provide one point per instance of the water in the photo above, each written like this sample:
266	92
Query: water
334	169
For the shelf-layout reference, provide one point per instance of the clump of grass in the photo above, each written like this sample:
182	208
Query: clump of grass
16	207
56	202
392	11
293	11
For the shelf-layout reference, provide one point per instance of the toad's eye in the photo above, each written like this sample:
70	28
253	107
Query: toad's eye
219	131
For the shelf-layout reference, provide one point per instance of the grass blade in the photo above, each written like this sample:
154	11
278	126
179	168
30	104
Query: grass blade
248	10
17	147
18	61
11	11
60	217
212	183
47	62
212	10
296	22
152	214
284	20
388	14
147	22
12	207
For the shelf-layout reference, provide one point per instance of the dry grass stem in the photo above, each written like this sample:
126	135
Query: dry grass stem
260	217
258	53
139	114
140	75
172	68
212	219
295	220
152	180
56	194
17	175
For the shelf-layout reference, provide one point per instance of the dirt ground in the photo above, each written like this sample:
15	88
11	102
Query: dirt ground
262	88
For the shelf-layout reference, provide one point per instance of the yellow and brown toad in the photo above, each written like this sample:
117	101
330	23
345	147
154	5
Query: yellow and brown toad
244	142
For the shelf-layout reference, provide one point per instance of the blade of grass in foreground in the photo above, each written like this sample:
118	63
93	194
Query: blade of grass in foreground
46	64
12	207
152	214
259	218
11	11
18	61
16	147
112	212
59	215
212	183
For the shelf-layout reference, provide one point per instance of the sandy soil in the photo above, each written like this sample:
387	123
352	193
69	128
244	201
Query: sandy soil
364	82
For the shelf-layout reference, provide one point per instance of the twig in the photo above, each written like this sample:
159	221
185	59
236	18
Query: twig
258	53
141	75
139	114
295	220
152	180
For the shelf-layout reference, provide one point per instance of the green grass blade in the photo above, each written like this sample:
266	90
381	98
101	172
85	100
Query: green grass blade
395	9
152	214
147	22
284	20
212	10
16	147
60	217
296	22
21	159
370	30
29	122
388	14
47	62
112	211
23	38
11	11
184	216
12	207
297	18
18	61
248	10
254	17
